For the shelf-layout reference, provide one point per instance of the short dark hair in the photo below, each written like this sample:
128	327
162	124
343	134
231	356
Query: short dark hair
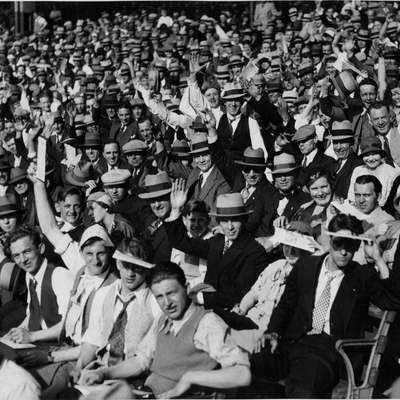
71	191
135	247
21	232
345	222
166	270
368	81
144	119
195	206
112	142
377	106
316	173
365	179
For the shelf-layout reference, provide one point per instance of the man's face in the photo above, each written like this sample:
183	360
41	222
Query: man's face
203	161
80	105
321	191
342	250
96	258
8	223
137	112
92	153
233	106
368	95
99	212
26	255
284	183
146	131
136	160
372	160
252	175
71	209
4	177
117	193
21	187
45	104
342	148
257	89
172	298
380	120
196	223
124	115
307	145
111	153
111	113
161	207
307	79
132	276
365	197
12	146
212	96
231	227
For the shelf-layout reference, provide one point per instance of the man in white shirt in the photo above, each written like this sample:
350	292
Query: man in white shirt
188	337
322	303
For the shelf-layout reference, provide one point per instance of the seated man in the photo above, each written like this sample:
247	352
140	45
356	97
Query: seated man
188	337
123	312
326	298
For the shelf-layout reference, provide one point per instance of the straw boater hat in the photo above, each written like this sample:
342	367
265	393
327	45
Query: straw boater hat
230	205
232	91
180	148
199	144
341	130
284	163
128	258
253	157
156	186
95	231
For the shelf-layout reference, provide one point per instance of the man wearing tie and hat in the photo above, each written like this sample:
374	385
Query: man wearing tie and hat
234	258
135	152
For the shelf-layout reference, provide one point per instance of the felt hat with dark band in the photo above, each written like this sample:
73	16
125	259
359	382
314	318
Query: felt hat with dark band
253	157
199	144
284	163
156	186
230	205
8	205
17	175
180	148
341	130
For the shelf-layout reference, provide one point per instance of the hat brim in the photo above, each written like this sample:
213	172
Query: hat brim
250	164
119	256
242	214
18	179
341	137
72	181
233	96
284	170
10	212
180	154
154	195
369	151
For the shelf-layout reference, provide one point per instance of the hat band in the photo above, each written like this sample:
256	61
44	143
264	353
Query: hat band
158	187
230	210
234	92
200	145
284	166
89	143
253	160
8	208
180	149
342	132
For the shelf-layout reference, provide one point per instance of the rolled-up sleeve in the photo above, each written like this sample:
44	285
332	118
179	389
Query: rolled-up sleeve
69	252
212	336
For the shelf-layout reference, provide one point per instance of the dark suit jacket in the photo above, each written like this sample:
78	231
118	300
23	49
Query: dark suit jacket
321	160
232	274
214	185
343	177
131	130
361	285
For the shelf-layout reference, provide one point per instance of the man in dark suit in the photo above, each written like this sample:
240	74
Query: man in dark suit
234	258
125	129
306	139
205	181
342	137
326	298
111	158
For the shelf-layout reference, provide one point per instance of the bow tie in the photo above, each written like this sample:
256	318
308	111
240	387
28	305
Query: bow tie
235	118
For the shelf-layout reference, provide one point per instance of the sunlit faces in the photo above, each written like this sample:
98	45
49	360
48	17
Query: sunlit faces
233	106
212	96
342	250
97	257
111	153
321	191
252	175
99	212
172	298
196	223
134	159
80	105
231	227
146	130
366	198
92	153
368	94
380	119
26	254
71	209
203	161
342	148
124	115
45	103
132	276
21	187
117	192
161	206
4	176
373	160
307	145
284	183
8	223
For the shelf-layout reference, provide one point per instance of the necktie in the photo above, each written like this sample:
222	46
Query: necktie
227	244
86	311
321	308
386	147
304	162
117	335
34	308
199	185
245	193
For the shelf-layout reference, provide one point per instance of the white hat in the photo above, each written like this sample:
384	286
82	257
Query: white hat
118	255
95	231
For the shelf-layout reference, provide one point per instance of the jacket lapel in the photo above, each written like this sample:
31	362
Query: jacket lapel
209	184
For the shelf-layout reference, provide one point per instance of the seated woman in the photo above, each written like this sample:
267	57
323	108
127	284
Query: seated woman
314	213
263	297
196	220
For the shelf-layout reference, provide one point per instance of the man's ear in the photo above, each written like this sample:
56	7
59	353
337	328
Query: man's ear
42	248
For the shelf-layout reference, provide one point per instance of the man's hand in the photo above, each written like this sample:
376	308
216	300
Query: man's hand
31	173
20	335
209	119
180	388
372	251
178	194
89	377
33	358
75	375
281	222
194	66
273	341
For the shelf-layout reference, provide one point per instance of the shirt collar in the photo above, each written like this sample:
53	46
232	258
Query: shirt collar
38	277
309	157
135	293
175	325
326	272
232	118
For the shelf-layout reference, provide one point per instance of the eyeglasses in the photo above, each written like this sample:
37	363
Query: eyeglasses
349	245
